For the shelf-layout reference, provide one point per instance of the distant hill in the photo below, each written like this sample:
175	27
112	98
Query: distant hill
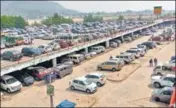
34	9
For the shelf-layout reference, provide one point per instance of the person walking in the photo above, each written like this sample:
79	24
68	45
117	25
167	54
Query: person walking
151	62
155	61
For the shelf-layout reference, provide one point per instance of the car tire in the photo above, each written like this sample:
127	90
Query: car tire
113	69
8	90
156	99
99	68
72	88
88	91
99	84
159	74
11	59
157	85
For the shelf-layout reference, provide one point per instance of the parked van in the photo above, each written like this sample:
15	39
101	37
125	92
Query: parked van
76	58
62	70
164	69
10	84
110	65
98	49
31	51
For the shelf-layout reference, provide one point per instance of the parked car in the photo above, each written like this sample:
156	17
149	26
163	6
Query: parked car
142	46
118	59
97	49
45	48
38	72
164	69
83	84
135	52
54	46
110	65
162	95
113	44
76	58
10	84
24	78
140	50
127	39
126	58
161	81
97	78
62	70
149	44
31	51
12	55
2	45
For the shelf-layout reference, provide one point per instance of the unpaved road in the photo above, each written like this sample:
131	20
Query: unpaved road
111	94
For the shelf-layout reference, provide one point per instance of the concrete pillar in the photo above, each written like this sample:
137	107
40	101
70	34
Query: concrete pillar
132	34
107	44
86	50
54	62
122	38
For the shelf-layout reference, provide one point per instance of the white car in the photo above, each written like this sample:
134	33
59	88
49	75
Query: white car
45	48
161	81
10	84
97	78
141	50
83	84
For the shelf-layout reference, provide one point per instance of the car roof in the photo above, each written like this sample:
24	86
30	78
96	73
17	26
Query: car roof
5	77
111	61
168	88
170	75
95	73
80	78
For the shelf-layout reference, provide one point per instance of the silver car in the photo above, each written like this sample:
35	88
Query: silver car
162	95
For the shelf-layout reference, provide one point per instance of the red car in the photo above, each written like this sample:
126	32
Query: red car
39	72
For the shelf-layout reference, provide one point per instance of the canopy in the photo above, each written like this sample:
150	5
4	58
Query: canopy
66	104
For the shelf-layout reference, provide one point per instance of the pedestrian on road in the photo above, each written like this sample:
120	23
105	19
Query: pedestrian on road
111	57
155	61
151	62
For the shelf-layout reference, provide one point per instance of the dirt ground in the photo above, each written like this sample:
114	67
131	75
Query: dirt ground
134	90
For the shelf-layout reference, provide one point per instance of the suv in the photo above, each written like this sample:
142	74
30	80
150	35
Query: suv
127	59
11	55
164	69
31	51
142	47
110	65
83	84
162	95
97	49
62	70
136	52
149	44
161	81
140	50
76	58
10	84
97	78
45	48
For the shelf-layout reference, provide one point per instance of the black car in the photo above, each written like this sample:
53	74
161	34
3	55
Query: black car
31	51
149	44
12	55
24	78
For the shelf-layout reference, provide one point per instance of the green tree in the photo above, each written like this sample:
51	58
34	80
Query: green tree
121	17
56	19
91	18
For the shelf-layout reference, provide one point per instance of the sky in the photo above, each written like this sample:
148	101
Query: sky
115	6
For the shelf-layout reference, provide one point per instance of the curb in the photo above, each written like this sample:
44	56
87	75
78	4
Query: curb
124	77
95	100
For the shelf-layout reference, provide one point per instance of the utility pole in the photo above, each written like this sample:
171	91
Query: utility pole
51	96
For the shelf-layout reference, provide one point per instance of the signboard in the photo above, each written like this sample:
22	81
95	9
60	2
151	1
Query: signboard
157	10
50	90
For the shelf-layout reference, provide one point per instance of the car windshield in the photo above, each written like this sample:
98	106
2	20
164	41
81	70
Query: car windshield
87	82
11	80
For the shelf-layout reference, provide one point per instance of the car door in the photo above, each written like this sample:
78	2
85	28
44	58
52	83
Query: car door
89	78
167	82
166	95
5	55
82	86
